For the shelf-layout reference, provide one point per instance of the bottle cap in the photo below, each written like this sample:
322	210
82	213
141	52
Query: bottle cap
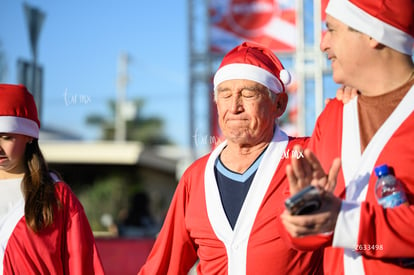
381	170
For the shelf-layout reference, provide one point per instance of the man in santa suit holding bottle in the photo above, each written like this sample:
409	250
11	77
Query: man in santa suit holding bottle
369	43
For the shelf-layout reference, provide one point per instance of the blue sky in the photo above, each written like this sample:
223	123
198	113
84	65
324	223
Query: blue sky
79	46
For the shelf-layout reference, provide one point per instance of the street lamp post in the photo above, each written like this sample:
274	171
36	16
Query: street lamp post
34	19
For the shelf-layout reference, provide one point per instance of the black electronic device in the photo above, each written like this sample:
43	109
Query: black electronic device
305	201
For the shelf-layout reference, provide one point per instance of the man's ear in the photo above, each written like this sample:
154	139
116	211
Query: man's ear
373	43
281	103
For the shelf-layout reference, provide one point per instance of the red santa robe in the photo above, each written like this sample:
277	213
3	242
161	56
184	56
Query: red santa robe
367	239
66	247
196	226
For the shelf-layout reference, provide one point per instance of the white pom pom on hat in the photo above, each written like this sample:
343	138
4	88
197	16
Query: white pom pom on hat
254	62
285	77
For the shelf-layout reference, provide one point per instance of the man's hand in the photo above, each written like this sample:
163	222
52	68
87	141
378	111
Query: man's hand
344	94
321	221
308	171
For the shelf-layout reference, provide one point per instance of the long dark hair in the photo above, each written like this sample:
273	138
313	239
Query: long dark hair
38	189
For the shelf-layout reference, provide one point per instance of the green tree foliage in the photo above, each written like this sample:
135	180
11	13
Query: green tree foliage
148	130
107	196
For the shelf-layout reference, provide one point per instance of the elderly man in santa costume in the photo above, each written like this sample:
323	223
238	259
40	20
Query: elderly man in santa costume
370	44
226	208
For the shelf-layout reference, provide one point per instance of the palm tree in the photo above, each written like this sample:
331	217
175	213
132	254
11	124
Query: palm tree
148	130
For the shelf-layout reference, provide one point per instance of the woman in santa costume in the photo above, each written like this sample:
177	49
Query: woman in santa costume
43	227
370	44
225	211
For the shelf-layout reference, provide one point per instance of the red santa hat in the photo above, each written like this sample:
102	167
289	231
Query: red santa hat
254	62
390	22
18	113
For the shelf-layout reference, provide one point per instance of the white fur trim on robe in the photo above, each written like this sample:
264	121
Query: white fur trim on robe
357	170
236	241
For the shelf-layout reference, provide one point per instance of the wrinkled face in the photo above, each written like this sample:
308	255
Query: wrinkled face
12	148
347	50
246	113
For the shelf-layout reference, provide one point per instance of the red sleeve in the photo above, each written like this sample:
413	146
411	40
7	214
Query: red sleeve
392	228
80	254
388	231
326	139
174	251
326	145
82	259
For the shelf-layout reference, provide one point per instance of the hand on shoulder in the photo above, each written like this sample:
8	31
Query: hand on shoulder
344	94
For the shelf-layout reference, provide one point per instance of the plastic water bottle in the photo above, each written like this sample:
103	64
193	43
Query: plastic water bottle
390	193
388	189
